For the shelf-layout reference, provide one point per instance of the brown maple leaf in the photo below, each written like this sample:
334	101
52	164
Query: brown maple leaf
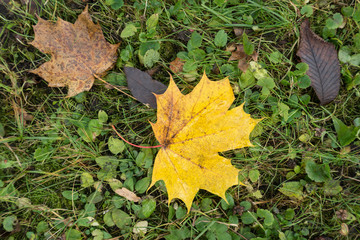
79	51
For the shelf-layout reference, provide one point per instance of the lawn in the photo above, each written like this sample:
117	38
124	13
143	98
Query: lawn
66	174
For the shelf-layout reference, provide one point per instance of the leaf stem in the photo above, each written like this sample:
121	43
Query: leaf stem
157	146
114	87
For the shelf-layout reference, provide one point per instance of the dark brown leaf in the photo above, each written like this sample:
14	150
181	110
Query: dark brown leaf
324	66
142	86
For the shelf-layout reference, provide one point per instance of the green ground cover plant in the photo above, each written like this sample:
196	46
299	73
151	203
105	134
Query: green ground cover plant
62	165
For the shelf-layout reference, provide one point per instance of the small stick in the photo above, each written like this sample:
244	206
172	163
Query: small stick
114	87
8	146
157	146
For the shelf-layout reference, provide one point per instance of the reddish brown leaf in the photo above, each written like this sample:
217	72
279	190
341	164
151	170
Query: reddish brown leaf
79	51
239	54
142	86
243	65
176	65
324	66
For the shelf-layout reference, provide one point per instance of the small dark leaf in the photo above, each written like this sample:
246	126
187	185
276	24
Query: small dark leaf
142	86
324	66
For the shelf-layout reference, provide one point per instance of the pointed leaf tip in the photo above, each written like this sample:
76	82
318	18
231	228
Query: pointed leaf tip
143	87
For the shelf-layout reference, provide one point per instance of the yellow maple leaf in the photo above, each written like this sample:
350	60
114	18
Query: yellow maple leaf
192	130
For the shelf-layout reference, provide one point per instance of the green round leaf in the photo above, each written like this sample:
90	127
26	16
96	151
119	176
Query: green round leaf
180	213
267	215
70	195
246	205
190	65
275	57
81	97
305	99
146	46
347	11
9	222
254	175
147	208
248	217
42	227
151	57
73	234
128	31
221	38
95	197
130	183
307	10
107	162
95	127
317	172
30	235
121	219
334	22
289	214
115	4
332	188
116	79
102	116
142	185
108	219
292	189
304	81
230	202
90	210
116	146
206	204
195	41
97	234
302	68
86	180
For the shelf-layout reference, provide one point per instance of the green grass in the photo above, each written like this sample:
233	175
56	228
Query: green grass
305	184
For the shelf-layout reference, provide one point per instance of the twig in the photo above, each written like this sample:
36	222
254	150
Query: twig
8	146
114	87
157	146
